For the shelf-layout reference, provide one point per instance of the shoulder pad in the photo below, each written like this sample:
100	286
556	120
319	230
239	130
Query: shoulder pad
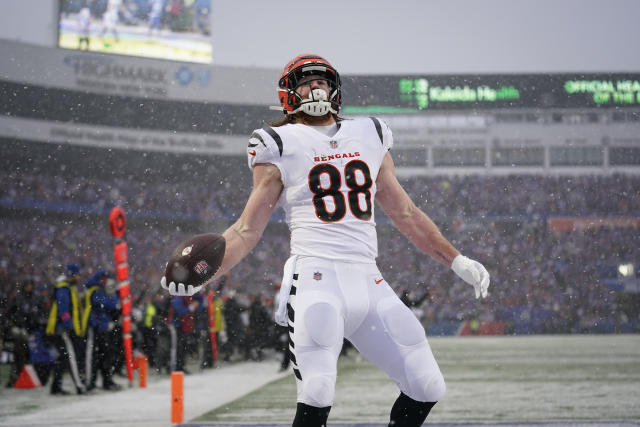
384	133
265	146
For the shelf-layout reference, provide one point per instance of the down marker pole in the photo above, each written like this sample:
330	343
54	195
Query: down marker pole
118	226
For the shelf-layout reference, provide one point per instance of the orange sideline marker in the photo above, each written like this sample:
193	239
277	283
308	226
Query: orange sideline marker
141	363
177	397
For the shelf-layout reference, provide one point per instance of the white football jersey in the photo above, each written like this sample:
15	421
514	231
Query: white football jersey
329	184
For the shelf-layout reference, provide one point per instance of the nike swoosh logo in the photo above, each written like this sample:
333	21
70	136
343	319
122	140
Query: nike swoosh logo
378	281
253	145
252	152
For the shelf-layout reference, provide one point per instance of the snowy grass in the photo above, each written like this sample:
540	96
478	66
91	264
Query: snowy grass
593	378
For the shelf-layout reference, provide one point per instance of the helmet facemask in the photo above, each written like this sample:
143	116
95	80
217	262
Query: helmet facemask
318	102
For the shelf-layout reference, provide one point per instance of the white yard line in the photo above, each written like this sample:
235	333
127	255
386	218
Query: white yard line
137	407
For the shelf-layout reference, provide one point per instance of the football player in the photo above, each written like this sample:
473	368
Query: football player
326	172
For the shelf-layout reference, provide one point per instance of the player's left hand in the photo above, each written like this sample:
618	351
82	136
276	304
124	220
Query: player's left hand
473	273
179	289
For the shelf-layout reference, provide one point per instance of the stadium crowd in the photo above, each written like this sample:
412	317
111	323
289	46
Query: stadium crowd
542	281
444	198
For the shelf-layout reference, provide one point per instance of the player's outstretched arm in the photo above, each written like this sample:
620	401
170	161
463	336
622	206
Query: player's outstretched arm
238	240
244	234
422	231
409	219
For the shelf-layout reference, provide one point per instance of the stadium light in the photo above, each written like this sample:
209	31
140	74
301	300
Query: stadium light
625	270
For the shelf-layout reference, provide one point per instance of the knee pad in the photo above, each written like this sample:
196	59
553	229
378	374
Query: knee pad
403	326
434	388
425	381
321	323
318	391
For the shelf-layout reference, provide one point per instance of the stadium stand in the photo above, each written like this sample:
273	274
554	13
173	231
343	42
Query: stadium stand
543	281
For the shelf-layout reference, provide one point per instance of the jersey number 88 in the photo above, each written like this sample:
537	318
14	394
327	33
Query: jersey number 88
333	190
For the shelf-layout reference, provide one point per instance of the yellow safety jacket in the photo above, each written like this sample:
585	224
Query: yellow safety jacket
87	308
149	314
75	310
219	316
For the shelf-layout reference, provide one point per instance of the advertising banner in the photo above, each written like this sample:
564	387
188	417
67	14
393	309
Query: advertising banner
131	139
564	224
137	77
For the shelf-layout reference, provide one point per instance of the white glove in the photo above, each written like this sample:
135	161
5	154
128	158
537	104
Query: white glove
180	291
473	273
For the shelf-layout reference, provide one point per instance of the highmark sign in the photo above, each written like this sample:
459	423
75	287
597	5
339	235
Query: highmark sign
128	76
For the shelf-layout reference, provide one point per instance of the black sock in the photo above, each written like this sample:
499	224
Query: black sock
310	416
407	412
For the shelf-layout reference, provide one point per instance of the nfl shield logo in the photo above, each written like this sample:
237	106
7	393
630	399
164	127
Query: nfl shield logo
317	276
333	144
201	268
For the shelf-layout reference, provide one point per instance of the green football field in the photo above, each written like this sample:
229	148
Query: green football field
590	378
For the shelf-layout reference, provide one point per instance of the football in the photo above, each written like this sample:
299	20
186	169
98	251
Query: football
196	260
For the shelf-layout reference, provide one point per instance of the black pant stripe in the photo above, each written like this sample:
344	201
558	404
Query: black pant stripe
297	373
290	312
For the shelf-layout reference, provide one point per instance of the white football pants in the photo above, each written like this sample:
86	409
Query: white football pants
332	300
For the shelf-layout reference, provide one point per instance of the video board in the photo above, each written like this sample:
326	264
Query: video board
164	29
